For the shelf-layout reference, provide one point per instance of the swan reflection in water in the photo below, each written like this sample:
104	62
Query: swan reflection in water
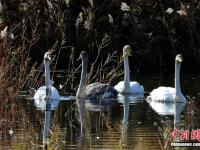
167	108
49	106
133	98
163	109
95	115
100	104
81	109
41	103
126	104
127	99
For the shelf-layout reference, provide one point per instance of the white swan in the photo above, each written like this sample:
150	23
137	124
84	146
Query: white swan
169	94
127	86
94	90
40	95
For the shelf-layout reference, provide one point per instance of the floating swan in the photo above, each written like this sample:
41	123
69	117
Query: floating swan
40	95
169	94
94	90
127	86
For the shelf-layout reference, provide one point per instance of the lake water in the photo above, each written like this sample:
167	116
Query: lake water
127	123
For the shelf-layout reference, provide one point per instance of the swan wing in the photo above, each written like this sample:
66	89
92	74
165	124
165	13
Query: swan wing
162	94
54	93
166	94
41	93
120	86
92	85
135	87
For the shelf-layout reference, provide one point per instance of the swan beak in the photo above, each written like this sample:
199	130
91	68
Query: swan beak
78	58
181	60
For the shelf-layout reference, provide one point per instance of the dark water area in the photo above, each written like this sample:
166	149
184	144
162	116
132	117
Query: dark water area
128	123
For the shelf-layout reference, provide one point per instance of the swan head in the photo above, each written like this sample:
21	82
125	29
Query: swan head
47	56
83	56
179	58
126	50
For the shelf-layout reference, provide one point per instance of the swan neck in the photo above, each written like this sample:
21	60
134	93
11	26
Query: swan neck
126	73
47	73
82	83
177	78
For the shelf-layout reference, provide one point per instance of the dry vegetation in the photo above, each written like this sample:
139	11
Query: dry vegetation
156	30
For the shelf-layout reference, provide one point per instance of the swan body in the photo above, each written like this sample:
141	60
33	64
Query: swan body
170	94
41	95
40	98
135	87
127	86
102	100
94	90
100	90
99	97
166	94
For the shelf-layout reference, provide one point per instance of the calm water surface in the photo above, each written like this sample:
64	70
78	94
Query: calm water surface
125	123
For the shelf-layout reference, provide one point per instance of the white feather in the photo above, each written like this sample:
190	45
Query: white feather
40	97
166	94
41	93
135	87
